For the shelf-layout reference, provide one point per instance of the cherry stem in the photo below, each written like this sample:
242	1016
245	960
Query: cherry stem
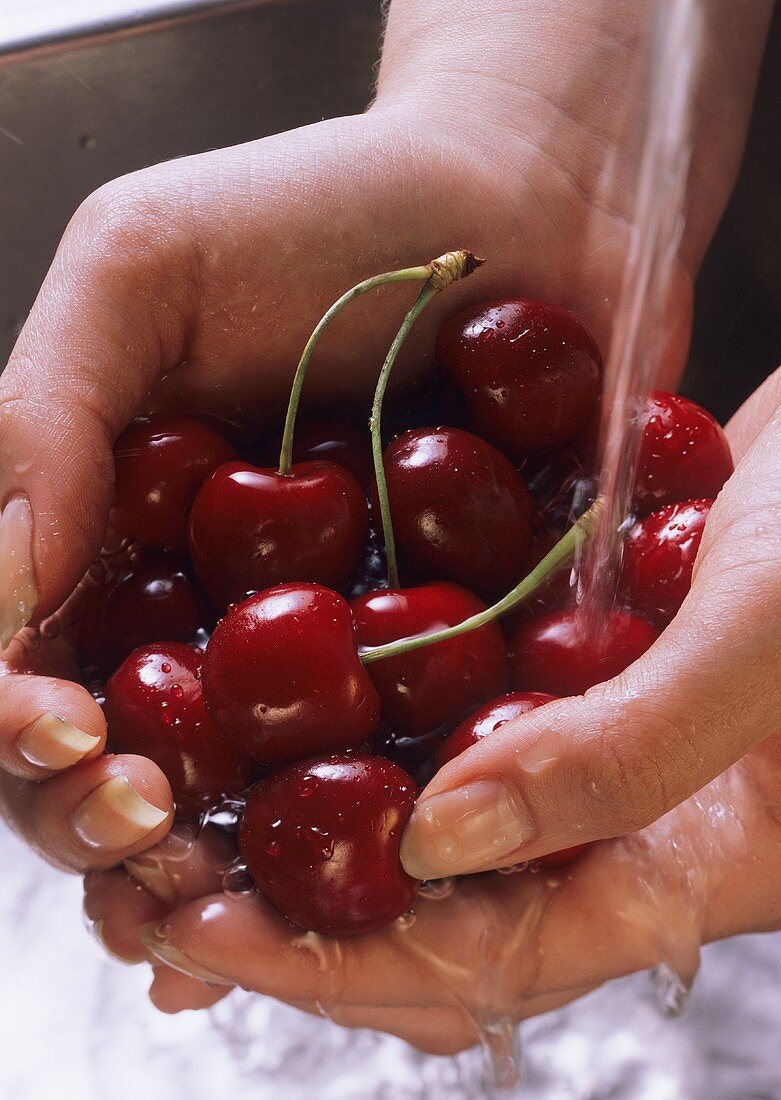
404	274
443	271
375	427
561	554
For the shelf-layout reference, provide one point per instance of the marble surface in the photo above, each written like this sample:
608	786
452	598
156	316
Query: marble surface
75	1024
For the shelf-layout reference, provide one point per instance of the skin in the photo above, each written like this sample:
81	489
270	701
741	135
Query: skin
200	280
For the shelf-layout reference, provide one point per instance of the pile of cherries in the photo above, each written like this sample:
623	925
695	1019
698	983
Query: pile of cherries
232	633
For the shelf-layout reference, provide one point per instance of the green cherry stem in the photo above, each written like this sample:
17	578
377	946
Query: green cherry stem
404	274
561	554
443	271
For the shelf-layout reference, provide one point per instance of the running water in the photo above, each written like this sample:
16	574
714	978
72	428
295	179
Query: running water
639	325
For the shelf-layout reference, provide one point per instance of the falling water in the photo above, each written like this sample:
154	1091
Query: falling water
639	323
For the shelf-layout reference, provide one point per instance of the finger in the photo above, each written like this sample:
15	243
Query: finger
117	907
753	415
172	992
47	725
613	761
100	332
93	816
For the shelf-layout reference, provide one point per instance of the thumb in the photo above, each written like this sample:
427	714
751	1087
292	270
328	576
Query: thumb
87	355
614	760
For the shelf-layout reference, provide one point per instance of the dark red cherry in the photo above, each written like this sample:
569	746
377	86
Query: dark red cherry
436	686
336	441
487	720
321	841
460	509
152	599
563	856
161	463
564	653
252	528
154	708
282	679
529	372
684	453
659	555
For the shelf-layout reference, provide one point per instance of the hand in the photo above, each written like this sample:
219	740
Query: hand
512	945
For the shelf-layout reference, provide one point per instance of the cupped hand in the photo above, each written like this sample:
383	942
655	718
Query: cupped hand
500	947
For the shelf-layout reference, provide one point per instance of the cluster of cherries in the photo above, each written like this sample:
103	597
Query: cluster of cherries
246	649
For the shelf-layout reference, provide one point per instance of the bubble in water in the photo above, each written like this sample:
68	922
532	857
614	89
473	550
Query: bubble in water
439	889
405	921
236	882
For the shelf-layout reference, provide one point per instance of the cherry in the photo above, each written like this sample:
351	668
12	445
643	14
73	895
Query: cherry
684	453
251	528
321	841
659	555
562	652
161	462
563	856
529	371
282	679
154	708
460	510
487	720
434	687
151	599
336	441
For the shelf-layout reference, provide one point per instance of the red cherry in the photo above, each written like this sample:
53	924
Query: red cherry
659	555
282	679
487	720
252	528
151	600
684	454
530	373
336	441
563	856
161	462
460	509
565	654
154	708
321	841
433	687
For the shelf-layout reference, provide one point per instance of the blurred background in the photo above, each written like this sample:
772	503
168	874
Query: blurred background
90	89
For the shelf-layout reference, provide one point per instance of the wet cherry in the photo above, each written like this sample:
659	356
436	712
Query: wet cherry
432	688
461	511
282	679
161	462
154	708
251	528
489	719
562	653
153	598
659	555
321	841
529	371
684	454
336	441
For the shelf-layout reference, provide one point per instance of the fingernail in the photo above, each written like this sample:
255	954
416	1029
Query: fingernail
155	879
472	828
154	938
97	932
51	742
18	590
115	816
